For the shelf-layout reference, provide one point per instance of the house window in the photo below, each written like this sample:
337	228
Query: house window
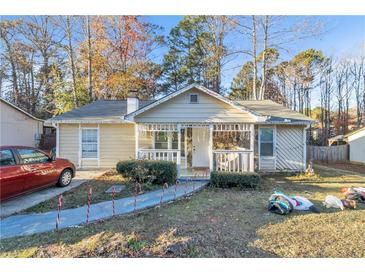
193	98
89	142
161	140
169	140
266	142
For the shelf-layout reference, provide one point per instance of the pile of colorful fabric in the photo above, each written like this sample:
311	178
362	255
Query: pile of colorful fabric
283	204
354	193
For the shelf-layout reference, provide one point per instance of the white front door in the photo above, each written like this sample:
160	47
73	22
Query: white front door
200	147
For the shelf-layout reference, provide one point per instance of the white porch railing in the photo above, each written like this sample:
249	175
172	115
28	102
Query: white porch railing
159	154
233	160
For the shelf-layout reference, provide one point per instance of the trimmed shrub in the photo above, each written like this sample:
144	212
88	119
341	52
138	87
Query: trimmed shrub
158	172
224	179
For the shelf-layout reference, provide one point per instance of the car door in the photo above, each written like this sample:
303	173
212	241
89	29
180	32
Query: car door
12	178
40	168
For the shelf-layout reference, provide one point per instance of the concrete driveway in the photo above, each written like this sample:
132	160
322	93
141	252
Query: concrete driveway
26	201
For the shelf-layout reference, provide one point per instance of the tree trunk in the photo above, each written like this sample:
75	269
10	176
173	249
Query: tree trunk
254	53
264	59
14	75
90	84
71	58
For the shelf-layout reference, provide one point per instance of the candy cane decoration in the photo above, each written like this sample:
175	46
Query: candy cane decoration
137	189
59	206
90	192
186	185
195	176
177	182
113	197
165	186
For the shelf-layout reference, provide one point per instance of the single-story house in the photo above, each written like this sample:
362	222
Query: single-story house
195	127
18	127
356	142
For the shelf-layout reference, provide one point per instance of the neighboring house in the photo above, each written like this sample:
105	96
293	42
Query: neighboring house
337	140
195	127
18	127
356	142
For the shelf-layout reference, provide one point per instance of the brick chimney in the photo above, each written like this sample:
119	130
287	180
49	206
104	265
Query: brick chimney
132	101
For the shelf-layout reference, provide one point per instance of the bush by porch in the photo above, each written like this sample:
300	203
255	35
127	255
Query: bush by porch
224	179
148	171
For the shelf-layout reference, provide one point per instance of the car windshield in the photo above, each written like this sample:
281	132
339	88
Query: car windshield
31	156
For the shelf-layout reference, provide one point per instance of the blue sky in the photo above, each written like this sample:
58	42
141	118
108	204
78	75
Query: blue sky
344	36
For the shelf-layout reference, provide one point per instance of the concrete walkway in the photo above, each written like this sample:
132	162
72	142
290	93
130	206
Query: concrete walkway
23	202
20	225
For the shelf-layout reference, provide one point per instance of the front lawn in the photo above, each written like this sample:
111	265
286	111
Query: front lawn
218	223
78	196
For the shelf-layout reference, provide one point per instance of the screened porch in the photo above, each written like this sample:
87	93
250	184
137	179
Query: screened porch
198	148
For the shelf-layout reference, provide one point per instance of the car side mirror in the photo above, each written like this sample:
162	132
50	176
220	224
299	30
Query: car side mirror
53	157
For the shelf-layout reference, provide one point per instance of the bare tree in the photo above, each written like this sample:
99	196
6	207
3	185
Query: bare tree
357	70
67	24
254	54
264	58
90	77
7	35
44	37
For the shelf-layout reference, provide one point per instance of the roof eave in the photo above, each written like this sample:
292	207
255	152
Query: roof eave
88	121
303	122
23	111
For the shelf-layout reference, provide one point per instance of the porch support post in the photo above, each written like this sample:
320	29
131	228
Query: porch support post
210	150
252	147
136	136
178	160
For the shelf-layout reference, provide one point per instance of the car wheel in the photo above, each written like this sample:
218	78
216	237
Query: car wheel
65	178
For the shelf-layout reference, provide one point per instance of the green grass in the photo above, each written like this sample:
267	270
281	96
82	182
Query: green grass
78	196
218	223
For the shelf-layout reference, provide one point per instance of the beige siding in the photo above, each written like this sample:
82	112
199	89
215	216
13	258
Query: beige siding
69	142
179	109
16	128
89	163
289	148
116	143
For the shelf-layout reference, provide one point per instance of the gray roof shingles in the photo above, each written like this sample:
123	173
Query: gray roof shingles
112	110
275	111
106	110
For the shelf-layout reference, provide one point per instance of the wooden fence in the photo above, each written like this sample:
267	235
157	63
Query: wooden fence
328	153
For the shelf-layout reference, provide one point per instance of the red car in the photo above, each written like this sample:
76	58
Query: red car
24	169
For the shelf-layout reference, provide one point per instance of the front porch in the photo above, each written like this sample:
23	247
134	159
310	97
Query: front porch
198	148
